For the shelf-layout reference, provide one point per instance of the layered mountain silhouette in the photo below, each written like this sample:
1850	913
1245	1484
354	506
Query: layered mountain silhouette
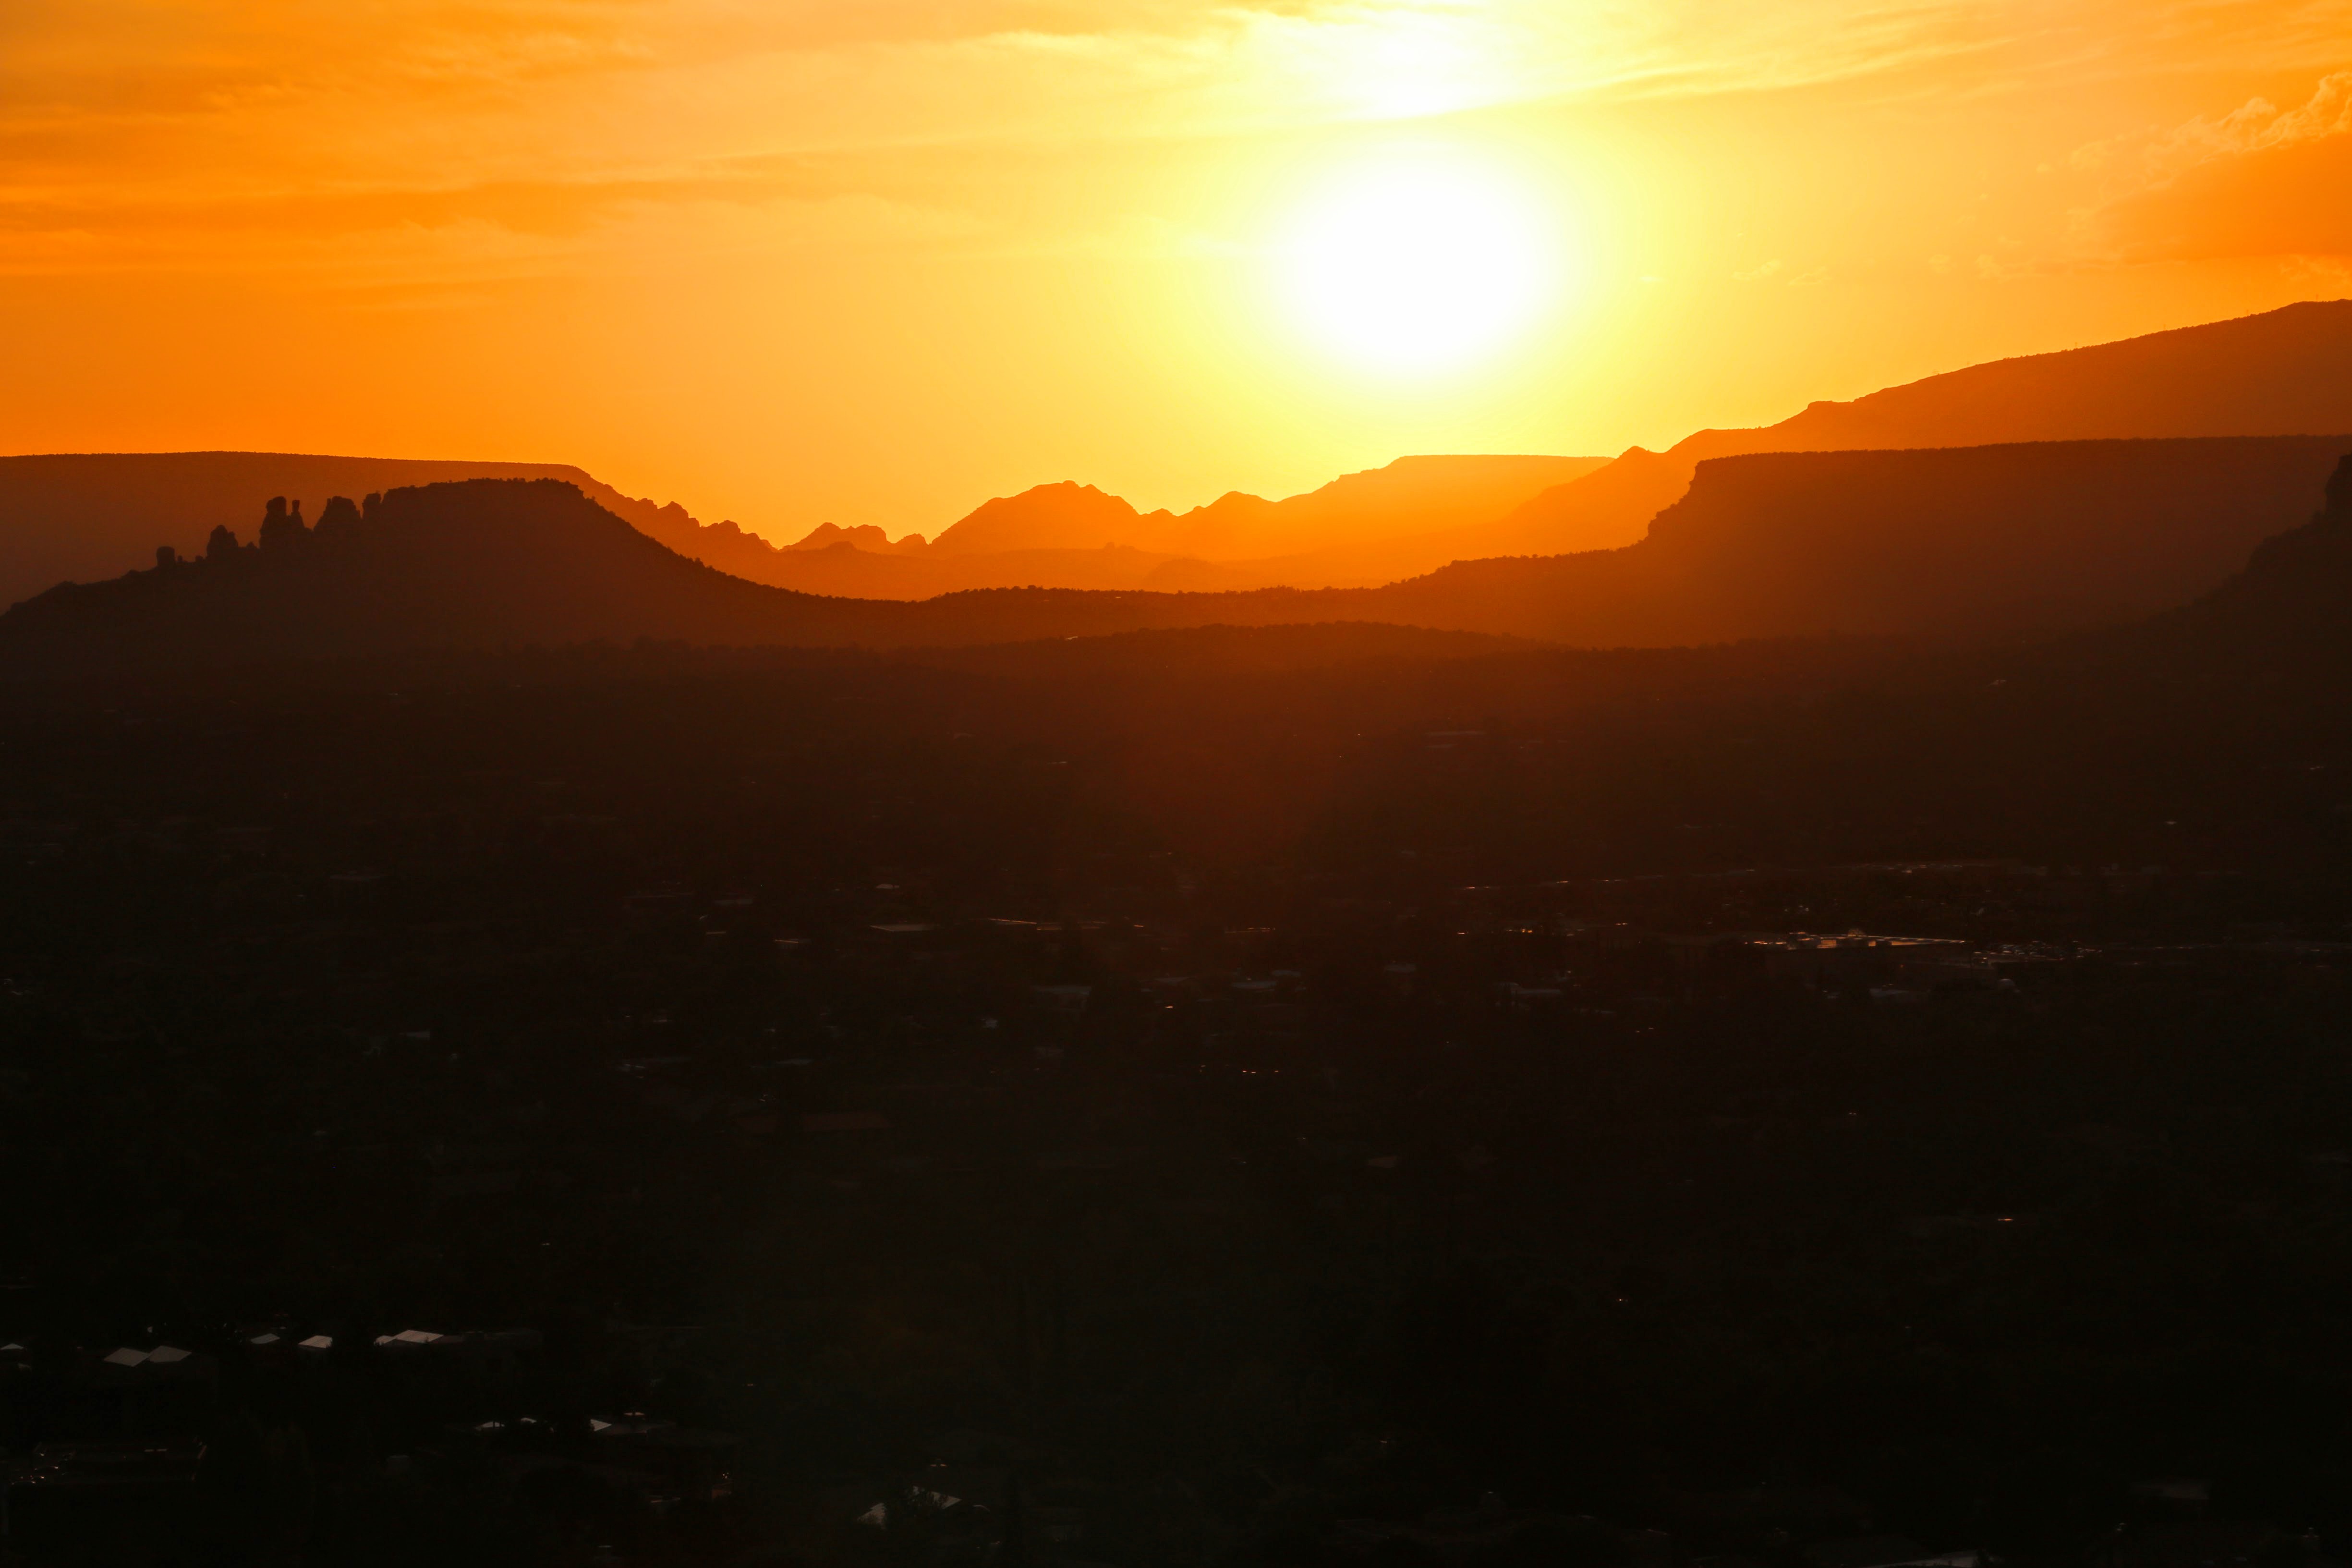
505	563
1966	543
1361	528
2280	373
82	516
2276	373
1411	496
865	537
1963	542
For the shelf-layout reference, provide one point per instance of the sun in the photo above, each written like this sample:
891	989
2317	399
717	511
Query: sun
1416	264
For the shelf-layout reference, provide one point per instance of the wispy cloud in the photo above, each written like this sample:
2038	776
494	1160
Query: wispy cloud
176	132
2258	181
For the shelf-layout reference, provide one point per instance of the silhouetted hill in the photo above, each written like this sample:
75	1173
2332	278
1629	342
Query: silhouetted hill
510	562
81	517
471	563
78	517
1067	516
732	549
1967	541
2278	373
2284	615
1361	528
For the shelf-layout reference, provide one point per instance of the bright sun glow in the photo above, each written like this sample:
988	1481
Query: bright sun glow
1417	264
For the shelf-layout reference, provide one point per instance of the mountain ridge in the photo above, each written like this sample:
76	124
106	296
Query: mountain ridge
1993	541
77	516
2277	373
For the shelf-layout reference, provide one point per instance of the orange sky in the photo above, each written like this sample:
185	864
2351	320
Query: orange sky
874	260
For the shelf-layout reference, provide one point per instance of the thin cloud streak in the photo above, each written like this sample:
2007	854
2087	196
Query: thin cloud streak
2259	181
539	115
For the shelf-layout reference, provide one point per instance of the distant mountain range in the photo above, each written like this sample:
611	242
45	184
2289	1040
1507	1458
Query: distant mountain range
1410	498
77	517
492	563
1361	529
83	517
1963	543
2281	372
1913	528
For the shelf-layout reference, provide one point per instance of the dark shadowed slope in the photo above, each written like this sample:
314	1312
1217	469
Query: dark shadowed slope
2286	371
2213	738
2289	611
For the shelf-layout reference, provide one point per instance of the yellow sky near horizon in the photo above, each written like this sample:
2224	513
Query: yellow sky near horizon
874	260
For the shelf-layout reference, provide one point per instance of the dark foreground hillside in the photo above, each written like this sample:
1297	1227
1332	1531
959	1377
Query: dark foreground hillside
1291	1096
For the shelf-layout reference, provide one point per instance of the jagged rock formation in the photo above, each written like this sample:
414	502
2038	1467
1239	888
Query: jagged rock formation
1361	529
865	536
79	517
